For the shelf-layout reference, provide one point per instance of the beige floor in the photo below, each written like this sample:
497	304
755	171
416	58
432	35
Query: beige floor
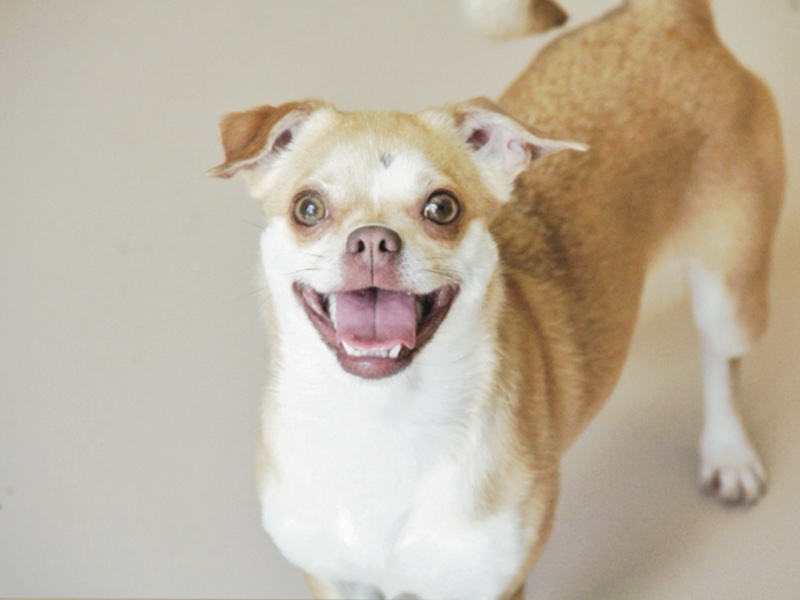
131	356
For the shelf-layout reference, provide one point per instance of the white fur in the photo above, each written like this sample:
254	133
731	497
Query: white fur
499	20
406	176
398	462
730	466
353	170
714	312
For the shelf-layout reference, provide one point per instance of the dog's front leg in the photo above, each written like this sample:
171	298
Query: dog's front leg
324	589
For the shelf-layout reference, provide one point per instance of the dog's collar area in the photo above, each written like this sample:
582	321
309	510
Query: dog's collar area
375	332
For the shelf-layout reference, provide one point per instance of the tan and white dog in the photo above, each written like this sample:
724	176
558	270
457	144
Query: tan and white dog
451	295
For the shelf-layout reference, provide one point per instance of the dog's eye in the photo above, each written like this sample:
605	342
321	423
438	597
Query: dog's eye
442	208
309	209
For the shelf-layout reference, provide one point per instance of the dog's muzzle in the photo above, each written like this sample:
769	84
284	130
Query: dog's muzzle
375	326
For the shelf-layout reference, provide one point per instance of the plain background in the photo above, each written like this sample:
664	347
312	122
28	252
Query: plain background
131	352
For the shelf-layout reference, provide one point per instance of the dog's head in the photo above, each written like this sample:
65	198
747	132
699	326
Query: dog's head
377	222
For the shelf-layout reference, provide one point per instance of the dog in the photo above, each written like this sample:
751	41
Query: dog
451	294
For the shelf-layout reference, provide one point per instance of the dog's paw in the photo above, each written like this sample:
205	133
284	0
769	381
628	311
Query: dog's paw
732	472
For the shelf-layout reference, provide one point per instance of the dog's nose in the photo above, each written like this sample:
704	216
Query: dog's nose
374	245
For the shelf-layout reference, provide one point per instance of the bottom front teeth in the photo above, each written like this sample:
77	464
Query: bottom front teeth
392	352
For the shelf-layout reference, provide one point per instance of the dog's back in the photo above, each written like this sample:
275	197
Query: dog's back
685	161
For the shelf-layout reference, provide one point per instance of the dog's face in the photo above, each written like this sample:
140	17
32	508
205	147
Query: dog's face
378	222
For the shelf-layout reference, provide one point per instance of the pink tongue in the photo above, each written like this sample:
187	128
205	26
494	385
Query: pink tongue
376	318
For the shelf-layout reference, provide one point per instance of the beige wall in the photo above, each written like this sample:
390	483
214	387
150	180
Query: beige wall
131	356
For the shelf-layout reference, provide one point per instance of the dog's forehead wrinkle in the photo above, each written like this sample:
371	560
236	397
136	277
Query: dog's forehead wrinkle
364	169
386	159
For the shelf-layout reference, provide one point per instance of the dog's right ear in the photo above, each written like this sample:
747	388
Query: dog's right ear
254	137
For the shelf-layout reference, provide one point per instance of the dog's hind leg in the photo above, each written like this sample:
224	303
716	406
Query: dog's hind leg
734	203
731	468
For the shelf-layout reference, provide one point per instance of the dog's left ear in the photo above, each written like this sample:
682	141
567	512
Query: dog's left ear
252	137
502	143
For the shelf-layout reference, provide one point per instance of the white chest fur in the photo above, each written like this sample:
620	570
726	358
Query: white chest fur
379	482
376	483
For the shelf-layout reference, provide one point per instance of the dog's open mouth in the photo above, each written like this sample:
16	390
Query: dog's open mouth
375	332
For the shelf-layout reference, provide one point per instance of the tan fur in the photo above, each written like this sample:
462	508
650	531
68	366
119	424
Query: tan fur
685	161
245	135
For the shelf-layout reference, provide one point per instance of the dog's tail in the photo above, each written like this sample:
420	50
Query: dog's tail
505	19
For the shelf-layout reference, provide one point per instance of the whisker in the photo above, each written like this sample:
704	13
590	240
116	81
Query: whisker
451	274
260	291
259	226
306	270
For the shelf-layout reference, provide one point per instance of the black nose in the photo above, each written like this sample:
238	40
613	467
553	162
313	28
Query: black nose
374	244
